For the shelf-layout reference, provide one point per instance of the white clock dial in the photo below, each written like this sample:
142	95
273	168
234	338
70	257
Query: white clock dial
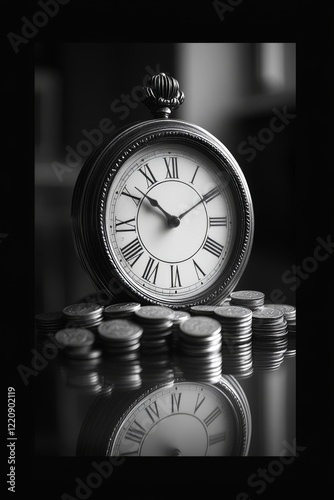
185	419
170	221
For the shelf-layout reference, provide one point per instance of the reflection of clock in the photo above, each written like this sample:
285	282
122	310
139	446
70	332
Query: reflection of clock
180	418
161	211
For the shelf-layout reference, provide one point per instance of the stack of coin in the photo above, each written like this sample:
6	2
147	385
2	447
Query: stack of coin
77	343
82	315
199	348
202	310
290	317
236	323
121	311
120	338
49	323
179	318
269	338
157	323
247	298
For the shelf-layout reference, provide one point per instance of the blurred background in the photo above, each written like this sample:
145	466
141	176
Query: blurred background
234	90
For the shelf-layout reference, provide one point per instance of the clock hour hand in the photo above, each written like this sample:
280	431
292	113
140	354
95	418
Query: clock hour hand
172	220
207	197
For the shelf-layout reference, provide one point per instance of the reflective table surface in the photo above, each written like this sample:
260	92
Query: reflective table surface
68	390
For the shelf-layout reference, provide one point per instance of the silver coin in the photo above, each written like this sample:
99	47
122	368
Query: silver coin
200	326
268	314
282	307
119	329
180	316
75	337
235	312
52	317
203	310
123	307
247	295
83	310
155	313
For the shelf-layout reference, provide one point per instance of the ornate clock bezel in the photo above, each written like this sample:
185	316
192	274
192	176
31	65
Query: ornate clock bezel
89	205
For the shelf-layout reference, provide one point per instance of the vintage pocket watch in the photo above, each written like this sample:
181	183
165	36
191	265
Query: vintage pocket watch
178	418
161	210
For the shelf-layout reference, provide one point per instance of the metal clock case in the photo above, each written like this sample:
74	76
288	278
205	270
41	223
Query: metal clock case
161	210
179	418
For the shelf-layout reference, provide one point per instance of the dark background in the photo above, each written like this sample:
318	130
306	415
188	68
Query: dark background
231	89
311	27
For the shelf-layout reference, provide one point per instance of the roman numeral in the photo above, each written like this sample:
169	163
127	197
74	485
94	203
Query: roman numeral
198	270
151	271
175	276
198	402
153	411
147	173
217	438
135	199
213	247
176	399
212	416
135	433
172	168
218	221
211	194
192	180
128	226
132	251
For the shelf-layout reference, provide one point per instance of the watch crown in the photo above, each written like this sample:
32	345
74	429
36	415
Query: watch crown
162	95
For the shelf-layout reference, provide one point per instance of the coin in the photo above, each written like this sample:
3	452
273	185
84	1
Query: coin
121	309
203	310
75	337
119	330
49	317
154	313
247	295
83	310
268	314
283	307
180	316
200	326
230	312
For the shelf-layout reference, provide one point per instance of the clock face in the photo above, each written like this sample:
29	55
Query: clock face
170	222
182	419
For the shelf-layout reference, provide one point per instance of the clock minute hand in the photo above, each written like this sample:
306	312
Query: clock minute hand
172	220
207	197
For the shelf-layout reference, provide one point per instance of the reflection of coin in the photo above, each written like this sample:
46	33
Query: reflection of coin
75	337
247	295
233	312
119	329
155	313
199	326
